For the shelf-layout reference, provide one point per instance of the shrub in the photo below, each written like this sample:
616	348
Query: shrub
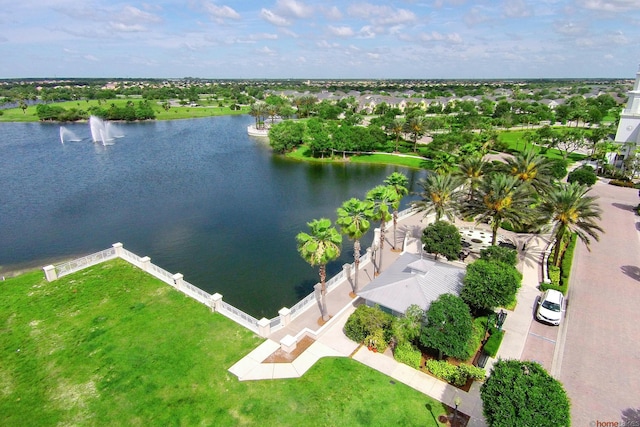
567	261
545	286
621	183
584	175
442	238
554	275
408	354
376	339
558	168
523	394
449	327
493	343
366	321
456	375
500	254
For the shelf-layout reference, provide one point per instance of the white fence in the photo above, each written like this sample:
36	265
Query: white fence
262	327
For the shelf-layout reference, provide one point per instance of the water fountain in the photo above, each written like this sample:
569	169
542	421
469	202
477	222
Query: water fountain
66	134
101	131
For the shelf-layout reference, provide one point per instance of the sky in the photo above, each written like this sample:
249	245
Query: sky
314	39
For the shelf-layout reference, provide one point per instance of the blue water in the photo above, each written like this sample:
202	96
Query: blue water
199	197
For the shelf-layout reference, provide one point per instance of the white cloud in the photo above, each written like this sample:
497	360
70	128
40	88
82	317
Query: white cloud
371	55
274	19
611	5
436	36
568	28
333	13
124	28
220	13
263	36
323	44
381	15
91	58
366	32
294	8
265	50
133	14
516	9
341	31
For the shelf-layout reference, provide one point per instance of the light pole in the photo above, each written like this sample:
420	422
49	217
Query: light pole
457	401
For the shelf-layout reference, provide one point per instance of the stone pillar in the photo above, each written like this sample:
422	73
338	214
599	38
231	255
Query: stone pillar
405	242
215	302
285	316
118	247
288	343
178	280
264	327
145	262
50	273
347	270
369	254
376	238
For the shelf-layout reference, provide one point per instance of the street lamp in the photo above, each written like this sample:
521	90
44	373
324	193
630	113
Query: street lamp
457	401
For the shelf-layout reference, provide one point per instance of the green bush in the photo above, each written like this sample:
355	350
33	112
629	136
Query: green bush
567	261
376	339
545	286
500	254
456	375
558	168
366	321
493	343
584	175
479	328
554	275
408	354
621	183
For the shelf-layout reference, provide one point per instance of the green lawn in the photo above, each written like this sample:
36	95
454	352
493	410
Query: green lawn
302	153
204	110
111	345
515	141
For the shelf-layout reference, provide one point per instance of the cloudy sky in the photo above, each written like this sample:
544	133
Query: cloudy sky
320	39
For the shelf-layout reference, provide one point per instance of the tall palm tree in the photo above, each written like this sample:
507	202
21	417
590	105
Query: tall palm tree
531	168
571	210
399	183
471	171
396	127
353	219
416	127
440	195
383	198
499	199
319	247
257	111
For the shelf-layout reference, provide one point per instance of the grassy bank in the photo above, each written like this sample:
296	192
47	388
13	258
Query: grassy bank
111	345
301	153
175	112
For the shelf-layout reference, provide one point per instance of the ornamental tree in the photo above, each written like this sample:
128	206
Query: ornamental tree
490	284
522	393
448	328
442	238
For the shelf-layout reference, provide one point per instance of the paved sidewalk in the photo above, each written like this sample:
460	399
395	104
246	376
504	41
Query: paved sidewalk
331	341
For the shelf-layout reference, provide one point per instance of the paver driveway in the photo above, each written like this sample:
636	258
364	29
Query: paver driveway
600	365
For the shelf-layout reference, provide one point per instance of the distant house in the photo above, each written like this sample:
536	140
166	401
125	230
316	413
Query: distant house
412	280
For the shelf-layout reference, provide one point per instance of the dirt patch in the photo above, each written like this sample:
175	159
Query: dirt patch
281	356
461	420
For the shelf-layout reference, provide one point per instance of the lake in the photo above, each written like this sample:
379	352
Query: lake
200	197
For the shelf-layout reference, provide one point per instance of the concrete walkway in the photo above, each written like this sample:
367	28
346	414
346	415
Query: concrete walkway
330	340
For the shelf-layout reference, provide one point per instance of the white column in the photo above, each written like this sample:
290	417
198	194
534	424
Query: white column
145	262
178	280
50	273
118	247
264	327
285	316
216	302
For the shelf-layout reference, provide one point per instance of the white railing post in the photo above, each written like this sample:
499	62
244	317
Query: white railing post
346	268
264	327
285	316
145	263
215	302
376	238
118	248
50	273
405	242
178	280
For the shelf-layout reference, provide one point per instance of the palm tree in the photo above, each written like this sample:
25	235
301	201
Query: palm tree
440	195
383	198
399	183
416	126
319	247
570	210
353	219
471	171
257	111
396	127
499	199
531	168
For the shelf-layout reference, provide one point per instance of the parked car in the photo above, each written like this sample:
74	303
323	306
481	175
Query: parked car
550	307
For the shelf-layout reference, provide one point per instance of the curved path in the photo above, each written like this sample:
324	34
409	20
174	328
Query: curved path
600	362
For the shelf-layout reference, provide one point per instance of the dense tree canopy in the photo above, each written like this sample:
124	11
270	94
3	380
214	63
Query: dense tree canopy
448	327
524	394
490	284
442	238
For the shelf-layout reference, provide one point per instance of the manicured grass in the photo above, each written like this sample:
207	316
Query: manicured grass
302	153
516	142
175	112
111	345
